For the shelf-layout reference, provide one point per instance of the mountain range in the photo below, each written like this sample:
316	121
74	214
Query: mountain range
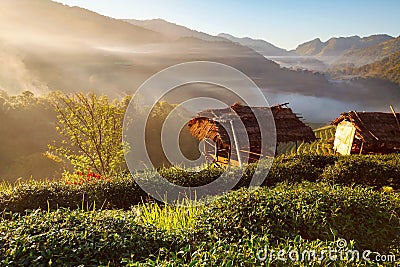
362	56
337	46
171	30
263	47
46	46
316	55
56	47
342	58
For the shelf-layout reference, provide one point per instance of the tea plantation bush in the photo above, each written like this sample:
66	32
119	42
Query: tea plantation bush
374	171
122	192
311	210
229	231
78	238
256	251
118	193
298	168
188	178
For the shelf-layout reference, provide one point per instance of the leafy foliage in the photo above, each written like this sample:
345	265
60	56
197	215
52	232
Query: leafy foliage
246	253
230	231
122	191
297	168
72	238
311	210
376	171
27	124
92	127
117	193
171	218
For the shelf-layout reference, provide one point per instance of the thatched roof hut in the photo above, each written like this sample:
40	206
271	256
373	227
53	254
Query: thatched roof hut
367	132
214	124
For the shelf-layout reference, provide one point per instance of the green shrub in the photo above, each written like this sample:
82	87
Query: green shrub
311	210
190	178
297	168
294	168
122	192
374	171
256	251
119	193
229	231
72	238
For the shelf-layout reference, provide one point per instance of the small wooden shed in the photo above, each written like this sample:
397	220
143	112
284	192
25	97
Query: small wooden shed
367	133
218	125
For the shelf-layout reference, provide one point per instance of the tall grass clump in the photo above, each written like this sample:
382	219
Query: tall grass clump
182	217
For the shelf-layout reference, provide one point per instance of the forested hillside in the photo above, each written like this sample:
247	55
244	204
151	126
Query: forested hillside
387	68
363	56
28	124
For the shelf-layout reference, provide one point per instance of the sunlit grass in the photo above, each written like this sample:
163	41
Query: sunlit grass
5	187
168	217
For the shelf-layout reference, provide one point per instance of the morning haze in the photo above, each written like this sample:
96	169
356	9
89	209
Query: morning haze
45	42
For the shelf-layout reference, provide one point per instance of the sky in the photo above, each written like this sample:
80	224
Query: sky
285	23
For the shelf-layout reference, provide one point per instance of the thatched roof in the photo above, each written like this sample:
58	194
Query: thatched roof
289	127
375	129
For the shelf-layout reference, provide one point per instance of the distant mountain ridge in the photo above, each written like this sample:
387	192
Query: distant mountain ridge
57	47
172	30
71	48
310	48
261	46
362	56
60	22
323	52
336	46
316	55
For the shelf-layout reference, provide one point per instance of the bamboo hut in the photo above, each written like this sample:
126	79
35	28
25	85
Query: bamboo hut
367	133
217	125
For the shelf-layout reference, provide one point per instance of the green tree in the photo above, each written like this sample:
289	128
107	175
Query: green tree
92	130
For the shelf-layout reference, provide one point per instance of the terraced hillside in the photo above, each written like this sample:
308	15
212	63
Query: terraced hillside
323	146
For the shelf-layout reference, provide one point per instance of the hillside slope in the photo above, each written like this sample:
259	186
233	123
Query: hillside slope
363	56
69	49
338	45
57	47
172	30
387	68
263	47
47	21
310	48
